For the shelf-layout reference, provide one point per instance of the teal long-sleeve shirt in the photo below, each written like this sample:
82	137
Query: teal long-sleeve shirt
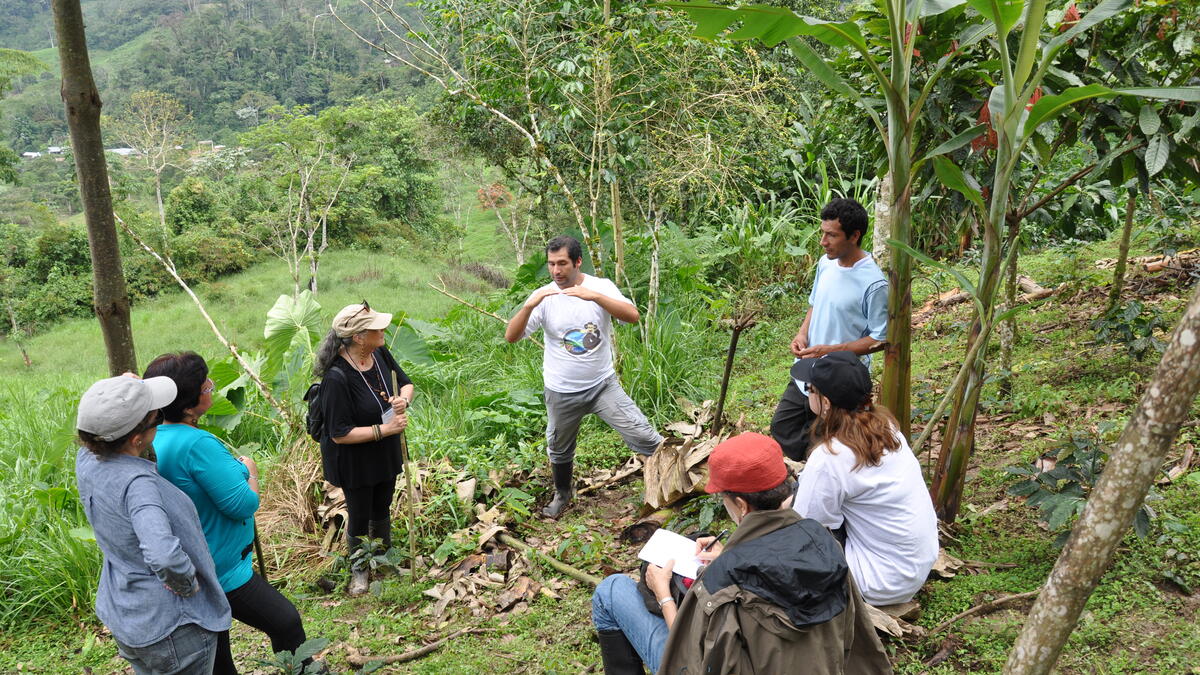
198	463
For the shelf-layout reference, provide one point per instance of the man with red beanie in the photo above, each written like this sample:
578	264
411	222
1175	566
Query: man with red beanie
778	597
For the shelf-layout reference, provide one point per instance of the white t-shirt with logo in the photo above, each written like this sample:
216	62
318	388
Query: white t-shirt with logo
891	528
578	335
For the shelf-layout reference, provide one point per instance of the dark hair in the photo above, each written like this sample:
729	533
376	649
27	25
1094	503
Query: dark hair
574	250
767	500
328	351
189	371
850	214
870	431
105	449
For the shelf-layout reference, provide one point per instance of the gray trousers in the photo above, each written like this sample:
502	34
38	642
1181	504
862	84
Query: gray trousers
564	412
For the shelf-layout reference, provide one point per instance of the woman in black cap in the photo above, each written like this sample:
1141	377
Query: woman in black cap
861	475
364	413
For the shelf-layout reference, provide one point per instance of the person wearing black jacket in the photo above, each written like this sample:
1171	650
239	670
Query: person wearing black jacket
777	596
364	413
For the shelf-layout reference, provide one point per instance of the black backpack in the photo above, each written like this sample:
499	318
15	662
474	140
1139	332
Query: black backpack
315	419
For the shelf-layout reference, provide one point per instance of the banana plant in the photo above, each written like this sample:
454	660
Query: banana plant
1015	117
897	123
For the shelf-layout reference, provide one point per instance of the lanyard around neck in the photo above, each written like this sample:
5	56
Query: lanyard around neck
382	382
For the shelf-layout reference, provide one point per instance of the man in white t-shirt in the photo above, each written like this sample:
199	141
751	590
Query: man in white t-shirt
575	313
847	312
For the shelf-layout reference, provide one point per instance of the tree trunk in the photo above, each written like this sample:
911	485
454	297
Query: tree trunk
111	301
883	224
1134	463
162	214
895	386
1008	327
652	301
1118	282
958	440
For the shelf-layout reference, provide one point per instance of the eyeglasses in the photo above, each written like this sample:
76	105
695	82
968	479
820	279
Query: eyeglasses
209	387
365	308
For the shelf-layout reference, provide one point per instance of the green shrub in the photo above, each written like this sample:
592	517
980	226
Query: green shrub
190	205
202	254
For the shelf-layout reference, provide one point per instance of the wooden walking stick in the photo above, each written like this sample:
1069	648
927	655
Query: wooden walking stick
408	486
262	565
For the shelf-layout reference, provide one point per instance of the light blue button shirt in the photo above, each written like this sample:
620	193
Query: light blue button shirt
848	303
157	573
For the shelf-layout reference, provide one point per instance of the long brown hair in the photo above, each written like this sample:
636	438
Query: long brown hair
870	431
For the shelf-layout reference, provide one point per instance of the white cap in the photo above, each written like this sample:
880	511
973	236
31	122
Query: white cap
112	408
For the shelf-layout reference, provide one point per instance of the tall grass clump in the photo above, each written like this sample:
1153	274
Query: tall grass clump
49	567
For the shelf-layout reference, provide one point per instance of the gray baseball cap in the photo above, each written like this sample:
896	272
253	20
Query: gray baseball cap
111	408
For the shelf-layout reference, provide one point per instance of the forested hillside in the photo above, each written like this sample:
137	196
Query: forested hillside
226	62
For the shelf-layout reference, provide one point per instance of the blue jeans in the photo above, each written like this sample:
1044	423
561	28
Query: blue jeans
617	605
188	650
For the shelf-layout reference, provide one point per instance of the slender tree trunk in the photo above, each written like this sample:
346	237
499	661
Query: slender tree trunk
1008	327
1118	282
883	224
652	302
111	301
162	214
15	334
895	386
1132	467
958	440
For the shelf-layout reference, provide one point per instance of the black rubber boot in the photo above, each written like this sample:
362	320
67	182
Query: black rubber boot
620	658
564	489
382	530
359	576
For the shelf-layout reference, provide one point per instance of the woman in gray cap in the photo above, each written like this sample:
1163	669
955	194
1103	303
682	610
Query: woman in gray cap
363	407
158	590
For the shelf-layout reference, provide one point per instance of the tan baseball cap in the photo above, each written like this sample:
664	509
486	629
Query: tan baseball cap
354	319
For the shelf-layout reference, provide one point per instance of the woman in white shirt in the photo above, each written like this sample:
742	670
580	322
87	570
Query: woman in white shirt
861	475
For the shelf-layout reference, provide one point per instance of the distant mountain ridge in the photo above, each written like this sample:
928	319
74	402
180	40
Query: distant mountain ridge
228	62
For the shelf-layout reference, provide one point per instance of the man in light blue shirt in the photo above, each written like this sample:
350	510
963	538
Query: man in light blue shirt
847	312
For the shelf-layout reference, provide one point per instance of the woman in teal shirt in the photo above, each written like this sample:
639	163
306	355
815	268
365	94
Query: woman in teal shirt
225	492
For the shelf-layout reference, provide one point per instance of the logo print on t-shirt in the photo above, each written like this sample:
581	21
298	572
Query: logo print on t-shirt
581	341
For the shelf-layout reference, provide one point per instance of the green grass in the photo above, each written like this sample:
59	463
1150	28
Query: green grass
238	305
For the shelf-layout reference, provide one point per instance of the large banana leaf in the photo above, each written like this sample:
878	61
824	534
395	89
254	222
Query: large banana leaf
1049	107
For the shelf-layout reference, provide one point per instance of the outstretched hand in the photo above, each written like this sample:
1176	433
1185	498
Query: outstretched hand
541	294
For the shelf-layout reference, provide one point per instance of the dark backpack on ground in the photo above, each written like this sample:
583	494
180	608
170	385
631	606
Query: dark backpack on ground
315	419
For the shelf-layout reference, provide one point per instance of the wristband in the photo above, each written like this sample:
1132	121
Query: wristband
665	600
376	432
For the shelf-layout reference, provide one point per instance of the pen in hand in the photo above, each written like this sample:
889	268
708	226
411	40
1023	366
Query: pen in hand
719	537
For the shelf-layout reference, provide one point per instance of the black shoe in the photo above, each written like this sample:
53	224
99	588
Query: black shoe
564	489
619	656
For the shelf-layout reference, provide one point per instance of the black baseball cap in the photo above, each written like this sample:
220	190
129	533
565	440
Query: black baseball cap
839	376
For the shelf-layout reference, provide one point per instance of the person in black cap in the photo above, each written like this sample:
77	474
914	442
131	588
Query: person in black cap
861	475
